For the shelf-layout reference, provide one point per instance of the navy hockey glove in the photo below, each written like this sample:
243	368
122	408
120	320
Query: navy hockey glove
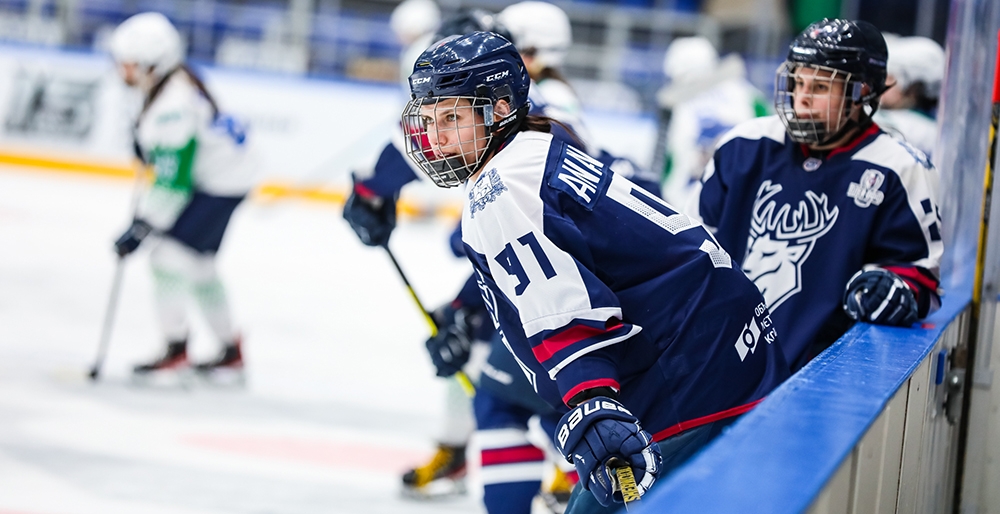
880	296
132	237
372	217
598	430
450	348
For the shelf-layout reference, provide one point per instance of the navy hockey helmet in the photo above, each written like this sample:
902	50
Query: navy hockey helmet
455	118
852	53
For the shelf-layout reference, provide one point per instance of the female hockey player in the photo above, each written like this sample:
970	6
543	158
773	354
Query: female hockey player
202	173
613	305
836	220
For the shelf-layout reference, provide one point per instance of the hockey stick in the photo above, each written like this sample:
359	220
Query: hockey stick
462	378
977	287
116	285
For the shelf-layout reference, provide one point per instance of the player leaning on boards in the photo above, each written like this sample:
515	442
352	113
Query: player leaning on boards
202	170
613	304
835	220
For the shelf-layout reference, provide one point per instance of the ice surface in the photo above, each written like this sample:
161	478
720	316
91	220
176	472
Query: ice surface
340	395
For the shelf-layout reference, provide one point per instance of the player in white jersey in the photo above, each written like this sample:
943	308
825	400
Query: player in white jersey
572	262
909	107
703	99
202	172
834	220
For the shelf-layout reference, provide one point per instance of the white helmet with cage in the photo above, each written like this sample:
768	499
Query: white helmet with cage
540	29
414	18
150	41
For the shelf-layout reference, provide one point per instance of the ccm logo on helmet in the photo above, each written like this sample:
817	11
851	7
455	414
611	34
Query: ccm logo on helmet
419	80
497	76
583	410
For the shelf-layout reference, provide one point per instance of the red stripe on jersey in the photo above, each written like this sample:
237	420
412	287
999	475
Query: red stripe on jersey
517	454
570	336
704	420
912	274
590	384
855	142
364	192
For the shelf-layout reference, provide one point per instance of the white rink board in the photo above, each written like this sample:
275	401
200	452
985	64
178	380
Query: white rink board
308	132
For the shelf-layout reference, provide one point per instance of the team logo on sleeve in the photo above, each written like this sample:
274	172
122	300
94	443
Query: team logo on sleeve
866	192
781	240
760	322
487	188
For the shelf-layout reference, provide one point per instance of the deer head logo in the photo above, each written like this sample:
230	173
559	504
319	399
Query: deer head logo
781	240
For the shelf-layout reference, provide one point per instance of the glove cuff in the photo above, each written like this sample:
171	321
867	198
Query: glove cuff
574	424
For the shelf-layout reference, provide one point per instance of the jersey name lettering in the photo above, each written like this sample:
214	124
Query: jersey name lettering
580	176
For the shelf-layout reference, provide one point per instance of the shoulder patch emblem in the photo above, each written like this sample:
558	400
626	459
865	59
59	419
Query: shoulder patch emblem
580	176
866	192
485	190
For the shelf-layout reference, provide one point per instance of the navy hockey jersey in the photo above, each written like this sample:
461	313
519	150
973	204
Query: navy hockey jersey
803	225
593	281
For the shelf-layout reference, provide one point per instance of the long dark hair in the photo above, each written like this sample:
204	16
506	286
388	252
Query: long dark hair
158	88
544	124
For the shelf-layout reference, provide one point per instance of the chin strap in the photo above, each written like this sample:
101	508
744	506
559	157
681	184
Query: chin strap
501	132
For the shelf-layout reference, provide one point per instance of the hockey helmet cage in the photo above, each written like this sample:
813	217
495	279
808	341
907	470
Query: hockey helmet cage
477	69
149	40
541	28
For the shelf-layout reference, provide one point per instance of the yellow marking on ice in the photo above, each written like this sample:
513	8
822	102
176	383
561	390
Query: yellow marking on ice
266	192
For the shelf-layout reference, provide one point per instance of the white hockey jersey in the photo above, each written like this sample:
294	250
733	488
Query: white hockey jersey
190	149
914	127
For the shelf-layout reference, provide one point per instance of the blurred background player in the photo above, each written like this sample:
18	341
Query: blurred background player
703	99
414	23
199	158
556	252
909	107
543	35
837	221
371	212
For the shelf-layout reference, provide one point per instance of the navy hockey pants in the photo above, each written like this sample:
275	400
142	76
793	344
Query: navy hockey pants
203	222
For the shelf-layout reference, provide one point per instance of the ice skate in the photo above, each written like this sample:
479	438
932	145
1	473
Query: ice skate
443	476
556	493
170	369
226	369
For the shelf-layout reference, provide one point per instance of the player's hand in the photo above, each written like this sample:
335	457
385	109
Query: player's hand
372	217
132	237
598	430
880	296
450	348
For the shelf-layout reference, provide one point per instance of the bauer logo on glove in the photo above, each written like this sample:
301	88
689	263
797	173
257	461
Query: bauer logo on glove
599	436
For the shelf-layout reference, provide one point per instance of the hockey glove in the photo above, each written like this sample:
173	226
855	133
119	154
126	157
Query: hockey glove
372	217
599	430
132	237
450	348
880	296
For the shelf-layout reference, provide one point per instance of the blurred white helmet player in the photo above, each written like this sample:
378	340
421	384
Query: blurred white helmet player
915	70
414	18
703	98
541	33
146	47
690	58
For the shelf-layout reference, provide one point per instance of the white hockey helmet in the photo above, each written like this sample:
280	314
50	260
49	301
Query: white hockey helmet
915	60
689	59
414	18
541	28
149	40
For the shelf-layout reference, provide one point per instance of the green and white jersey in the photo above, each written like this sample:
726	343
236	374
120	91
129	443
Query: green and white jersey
190	150
914	127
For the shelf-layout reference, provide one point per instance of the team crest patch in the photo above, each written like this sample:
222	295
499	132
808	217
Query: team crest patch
866	192
487	188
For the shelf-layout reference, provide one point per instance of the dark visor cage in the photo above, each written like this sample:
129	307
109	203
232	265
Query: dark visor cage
480	68
819	127
447	136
